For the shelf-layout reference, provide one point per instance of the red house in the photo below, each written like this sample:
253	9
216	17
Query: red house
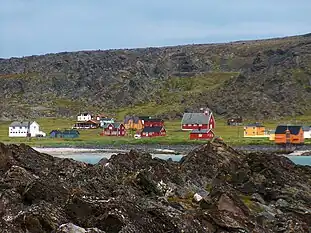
204	134
153	131
198	121
151	122
113	129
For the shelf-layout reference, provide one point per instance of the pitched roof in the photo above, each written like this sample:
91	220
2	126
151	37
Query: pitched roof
21	123
55	131
195	118
152	129
135	119
200	131
115	125
306	128
71	131
294	129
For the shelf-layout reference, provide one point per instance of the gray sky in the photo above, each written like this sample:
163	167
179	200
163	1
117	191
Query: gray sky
32	27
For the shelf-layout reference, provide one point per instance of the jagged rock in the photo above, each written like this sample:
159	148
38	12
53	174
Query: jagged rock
213	189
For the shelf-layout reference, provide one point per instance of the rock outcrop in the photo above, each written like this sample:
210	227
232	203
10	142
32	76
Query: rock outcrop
262	78
213	189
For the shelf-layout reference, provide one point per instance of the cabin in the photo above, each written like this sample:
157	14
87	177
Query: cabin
71	133
198	121
105	121
148	121
153	131
203	134
55	134
271	134
90	124
235	121
84	117
114	129
289	134
306	132
25	129
255	130
133	123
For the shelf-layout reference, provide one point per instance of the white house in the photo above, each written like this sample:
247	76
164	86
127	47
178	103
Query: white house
21	129
84	117
306	132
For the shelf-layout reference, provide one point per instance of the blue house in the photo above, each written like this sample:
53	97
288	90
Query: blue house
55	134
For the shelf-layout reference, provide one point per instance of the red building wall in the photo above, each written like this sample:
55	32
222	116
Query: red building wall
211	122
203	136
194	126
111	131
153	123
154	134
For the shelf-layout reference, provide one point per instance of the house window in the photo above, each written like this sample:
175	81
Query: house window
189	124
200	124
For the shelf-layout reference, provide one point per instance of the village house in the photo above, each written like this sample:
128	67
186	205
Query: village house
153	131
204	134
114	129
84	117
90	124
255	130
289	134
71	133
148	121
198	121
25	129
105	121
306	132
133	123
235	121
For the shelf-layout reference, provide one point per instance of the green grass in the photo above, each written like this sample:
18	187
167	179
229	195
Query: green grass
233	135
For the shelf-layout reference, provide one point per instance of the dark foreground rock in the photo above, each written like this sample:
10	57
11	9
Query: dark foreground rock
213	189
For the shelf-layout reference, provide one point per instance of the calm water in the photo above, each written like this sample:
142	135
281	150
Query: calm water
93	158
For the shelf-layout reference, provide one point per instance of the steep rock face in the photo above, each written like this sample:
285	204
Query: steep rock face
274	79
213	189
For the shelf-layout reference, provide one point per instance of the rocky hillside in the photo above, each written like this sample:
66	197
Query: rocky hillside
213	189
256	79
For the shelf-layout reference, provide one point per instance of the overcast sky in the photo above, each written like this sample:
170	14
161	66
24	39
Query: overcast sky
32	27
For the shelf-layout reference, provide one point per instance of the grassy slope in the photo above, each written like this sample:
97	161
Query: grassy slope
178	93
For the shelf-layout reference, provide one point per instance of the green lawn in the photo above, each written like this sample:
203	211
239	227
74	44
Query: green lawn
233	135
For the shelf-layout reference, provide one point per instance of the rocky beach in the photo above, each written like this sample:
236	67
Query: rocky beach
214	188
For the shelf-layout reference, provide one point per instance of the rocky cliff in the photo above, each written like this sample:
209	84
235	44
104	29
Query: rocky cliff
256	79
213	189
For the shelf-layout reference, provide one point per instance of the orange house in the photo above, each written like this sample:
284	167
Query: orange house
254	130
289	134
133	122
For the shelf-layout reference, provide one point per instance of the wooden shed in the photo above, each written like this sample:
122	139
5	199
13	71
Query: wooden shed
289	134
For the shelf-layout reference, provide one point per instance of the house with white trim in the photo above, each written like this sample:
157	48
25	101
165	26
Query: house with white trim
23	128
84	117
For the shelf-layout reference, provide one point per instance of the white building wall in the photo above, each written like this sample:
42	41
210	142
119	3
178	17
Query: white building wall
84	118
17	132
307	134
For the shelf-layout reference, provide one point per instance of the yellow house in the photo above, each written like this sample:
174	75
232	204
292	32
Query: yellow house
254	130
133	122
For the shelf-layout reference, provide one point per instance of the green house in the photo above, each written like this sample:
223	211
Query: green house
71	133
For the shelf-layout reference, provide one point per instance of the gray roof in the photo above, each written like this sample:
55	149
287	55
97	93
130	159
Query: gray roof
195	118
200	131
115	125
134	118
306	128
20	123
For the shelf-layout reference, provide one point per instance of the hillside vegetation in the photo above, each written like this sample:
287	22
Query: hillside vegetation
255	79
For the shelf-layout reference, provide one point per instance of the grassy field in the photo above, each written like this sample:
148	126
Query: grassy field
233	135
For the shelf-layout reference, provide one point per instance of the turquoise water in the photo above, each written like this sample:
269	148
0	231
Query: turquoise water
94	158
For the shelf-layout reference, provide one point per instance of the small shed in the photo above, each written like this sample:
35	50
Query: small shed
306	132
203	134
289	134
255	130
